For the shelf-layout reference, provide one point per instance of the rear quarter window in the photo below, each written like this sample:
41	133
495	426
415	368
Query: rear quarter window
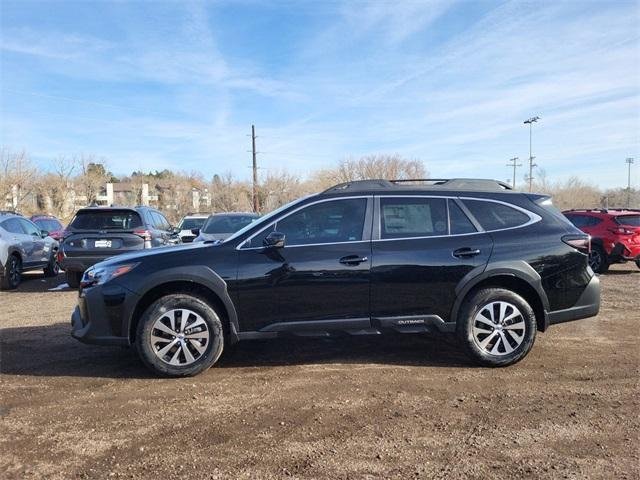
629	220
495	216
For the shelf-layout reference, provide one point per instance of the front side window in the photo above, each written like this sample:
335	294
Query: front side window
495	216
413	217
28	227
334	221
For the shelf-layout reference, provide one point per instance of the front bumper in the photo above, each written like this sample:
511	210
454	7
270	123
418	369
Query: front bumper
588	305
101	315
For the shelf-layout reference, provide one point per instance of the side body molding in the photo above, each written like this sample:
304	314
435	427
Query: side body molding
199	275
516	268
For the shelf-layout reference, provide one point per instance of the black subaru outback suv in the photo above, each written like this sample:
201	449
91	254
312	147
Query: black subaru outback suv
469	257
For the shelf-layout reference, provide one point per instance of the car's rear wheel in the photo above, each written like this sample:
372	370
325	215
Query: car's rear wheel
179	335
73	279
638	263
598	259
497	327
52	269
12	273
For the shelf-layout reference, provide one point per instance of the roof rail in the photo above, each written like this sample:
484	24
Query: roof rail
10	212
470	183
452	183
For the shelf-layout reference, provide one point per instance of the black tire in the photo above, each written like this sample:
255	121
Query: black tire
73	279
496	353
12	273
598	260
52	269
164	310
638	263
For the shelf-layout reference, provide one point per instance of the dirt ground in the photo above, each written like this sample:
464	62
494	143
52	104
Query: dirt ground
364	407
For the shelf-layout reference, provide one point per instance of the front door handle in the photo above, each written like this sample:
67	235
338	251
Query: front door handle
352	260
466	252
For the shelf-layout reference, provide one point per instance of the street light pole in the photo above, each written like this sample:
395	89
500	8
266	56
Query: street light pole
531	121
629	161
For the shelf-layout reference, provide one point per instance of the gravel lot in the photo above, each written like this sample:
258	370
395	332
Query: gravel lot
399	407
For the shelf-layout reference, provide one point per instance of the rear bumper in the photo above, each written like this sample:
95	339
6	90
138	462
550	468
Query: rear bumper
99	317
621	251
588	305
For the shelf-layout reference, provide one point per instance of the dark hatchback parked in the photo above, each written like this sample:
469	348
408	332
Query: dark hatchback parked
96	233
468	257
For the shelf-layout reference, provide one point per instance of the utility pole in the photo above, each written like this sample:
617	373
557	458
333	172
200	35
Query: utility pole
514	163
531	121
255	170
629	161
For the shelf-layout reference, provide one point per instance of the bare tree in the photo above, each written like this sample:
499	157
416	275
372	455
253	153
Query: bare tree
92	178
18	178
390	167
229	194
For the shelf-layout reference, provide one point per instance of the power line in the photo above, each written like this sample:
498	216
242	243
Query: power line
514	163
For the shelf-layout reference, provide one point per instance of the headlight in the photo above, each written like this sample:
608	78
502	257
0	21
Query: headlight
100	275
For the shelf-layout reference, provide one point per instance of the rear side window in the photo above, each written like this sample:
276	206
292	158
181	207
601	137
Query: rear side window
412	217
629	220
458	221
106	220
495	216
12	225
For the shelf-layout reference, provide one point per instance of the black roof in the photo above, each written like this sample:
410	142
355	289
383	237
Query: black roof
467	184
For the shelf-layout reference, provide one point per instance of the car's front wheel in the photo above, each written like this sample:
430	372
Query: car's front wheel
73	278
52	269
497	327
179	335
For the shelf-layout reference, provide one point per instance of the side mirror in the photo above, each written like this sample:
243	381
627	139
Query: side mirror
195	231
274	240
44	233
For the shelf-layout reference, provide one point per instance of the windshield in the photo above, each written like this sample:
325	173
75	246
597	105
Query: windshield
629	220
191	223
106	220
48	224
227	223
265	219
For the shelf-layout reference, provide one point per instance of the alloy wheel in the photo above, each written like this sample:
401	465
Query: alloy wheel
14	271
499	328
595	259
179	337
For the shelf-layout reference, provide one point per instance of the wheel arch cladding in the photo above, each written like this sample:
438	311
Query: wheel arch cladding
212	292
529	288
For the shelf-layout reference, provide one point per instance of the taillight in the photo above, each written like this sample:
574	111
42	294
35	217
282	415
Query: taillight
146	236
60	256
579	242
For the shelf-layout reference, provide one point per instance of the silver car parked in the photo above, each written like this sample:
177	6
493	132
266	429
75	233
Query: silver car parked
23	246
222	225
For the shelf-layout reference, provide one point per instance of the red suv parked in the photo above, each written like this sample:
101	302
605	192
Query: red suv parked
615	235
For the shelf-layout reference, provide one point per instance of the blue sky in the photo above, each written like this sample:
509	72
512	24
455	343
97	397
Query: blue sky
177	84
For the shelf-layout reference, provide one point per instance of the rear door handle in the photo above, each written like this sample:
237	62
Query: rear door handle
466	252
352	260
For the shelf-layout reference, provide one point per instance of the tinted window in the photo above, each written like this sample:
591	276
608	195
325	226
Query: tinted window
159	221
191	223
106	220
12	225
629	220
458	221
582	221
227	223
413	217
48	224
28	227
495	216
326	222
